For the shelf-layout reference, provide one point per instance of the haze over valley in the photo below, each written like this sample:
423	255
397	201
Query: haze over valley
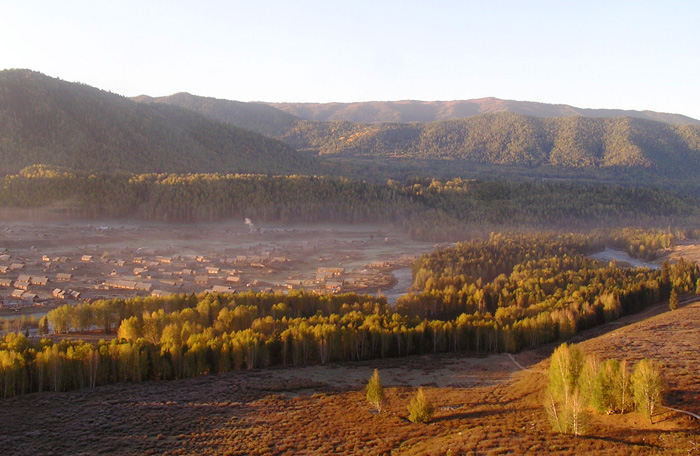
308	228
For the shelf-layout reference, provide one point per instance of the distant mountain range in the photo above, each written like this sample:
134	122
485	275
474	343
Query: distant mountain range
47	121
251	115
431	111
52	122
551	135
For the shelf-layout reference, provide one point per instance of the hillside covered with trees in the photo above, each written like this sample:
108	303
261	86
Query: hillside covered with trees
52	122
258	117
513	139
46	121
487	132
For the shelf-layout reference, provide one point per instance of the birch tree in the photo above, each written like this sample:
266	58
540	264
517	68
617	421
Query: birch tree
647	387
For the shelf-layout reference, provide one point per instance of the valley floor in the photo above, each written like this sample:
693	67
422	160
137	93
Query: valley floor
117	259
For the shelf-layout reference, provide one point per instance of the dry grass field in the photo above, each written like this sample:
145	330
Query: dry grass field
484	406
688	249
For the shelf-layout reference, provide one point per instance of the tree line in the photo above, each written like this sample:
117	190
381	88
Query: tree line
425	208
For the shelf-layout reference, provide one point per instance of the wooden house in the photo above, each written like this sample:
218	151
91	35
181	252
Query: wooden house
40	280
64	277
58	293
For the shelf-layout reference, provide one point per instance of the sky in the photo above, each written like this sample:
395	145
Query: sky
640	55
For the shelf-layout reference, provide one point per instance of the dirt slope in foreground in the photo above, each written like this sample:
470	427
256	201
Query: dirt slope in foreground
485	406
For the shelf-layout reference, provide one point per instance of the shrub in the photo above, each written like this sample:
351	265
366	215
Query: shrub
420	409
673	300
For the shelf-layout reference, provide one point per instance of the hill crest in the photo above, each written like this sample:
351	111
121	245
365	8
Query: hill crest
430	111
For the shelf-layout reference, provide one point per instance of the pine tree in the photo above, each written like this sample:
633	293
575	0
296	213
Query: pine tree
665	284
420	409
375	392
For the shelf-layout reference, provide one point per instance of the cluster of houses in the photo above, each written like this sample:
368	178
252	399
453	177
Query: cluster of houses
38	278
337	280
25	289
127	285
34	280
161	275
330	279
66	293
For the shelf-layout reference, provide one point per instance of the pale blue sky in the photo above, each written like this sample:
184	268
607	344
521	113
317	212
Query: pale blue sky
594	54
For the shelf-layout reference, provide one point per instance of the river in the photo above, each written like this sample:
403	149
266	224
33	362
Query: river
404	280
609	254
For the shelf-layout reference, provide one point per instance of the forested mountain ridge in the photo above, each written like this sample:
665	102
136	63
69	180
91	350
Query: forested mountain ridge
48	121
258	117
430	111
45	120
497	138
513	139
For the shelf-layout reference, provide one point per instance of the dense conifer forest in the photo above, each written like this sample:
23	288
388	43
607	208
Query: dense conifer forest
512	139
426	208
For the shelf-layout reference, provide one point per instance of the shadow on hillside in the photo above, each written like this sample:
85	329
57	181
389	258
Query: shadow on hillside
472	415
621	441
546	350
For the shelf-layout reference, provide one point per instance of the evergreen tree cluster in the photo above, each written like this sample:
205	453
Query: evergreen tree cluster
425	208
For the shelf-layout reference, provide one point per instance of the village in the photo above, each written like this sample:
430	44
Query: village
43	265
